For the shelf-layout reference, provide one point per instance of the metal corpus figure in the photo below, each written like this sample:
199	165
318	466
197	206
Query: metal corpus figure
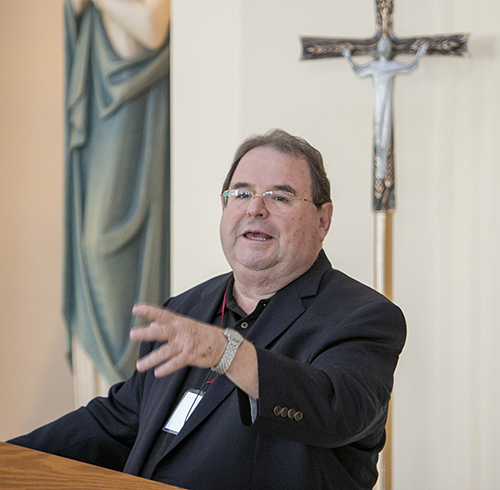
383	70
441	45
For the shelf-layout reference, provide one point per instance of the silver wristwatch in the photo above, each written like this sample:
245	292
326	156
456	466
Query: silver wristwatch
234	339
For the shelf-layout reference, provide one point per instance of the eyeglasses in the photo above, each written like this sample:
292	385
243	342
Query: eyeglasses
280	201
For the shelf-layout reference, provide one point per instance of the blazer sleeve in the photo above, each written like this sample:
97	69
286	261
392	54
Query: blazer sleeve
102	433
341	394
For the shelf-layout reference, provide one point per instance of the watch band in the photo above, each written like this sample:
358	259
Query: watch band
234	339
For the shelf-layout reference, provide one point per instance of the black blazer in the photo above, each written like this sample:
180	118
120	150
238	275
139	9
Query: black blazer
327	347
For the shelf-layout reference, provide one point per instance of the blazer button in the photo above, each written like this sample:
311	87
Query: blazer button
298	416
291	413
244	325
277	410
284	412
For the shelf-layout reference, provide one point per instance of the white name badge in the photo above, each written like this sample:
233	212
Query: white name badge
183	411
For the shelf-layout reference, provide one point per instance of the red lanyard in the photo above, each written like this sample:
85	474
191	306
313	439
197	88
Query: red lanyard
224	303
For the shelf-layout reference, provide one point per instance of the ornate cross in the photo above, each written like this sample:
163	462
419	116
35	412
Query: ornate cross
442	45
383	69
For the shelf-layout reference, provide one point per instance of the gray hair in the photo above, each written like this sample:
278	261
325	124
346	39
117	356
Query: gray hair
285	143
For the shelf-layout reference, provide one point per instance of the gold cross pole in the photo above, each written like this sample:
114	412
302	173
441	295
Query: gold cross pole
384	45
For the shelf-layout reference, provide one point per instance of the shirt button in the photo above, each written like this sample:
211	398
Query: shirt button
244	325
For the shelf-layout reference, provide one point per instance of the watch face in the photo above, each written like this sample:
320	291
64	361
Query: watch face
233	335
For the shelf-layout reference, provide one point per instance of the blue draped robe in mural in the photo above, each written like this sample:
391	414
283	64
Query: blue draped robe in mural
117	190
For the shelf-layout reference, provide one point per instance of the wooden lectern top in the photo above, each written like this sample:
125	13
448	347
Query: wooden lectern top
22	468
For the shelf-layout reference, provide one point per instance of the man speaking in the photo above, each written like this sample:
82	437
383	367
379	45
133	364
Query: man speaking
275	375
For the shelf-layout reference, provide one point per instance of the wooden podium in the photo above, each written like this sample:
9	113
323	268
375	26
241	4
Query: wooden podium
25	469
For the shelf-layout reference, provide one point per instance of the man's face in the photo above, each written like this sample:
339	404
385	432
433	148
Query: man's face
256	238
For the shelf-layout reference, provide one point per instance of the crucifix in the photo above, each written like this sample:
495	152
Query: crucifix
383	69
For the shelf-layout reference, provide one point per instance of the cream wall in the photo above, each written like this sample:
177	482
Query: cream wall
35	380
236	71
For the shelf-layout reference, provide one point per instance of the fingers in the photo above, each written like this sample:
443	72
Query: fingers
169	367
158	329
158	359
151	312
154	332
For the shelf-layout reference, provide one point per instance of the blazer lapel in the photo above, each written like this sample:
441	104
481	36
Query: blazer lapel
278	315
221	387
165	390
287	305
